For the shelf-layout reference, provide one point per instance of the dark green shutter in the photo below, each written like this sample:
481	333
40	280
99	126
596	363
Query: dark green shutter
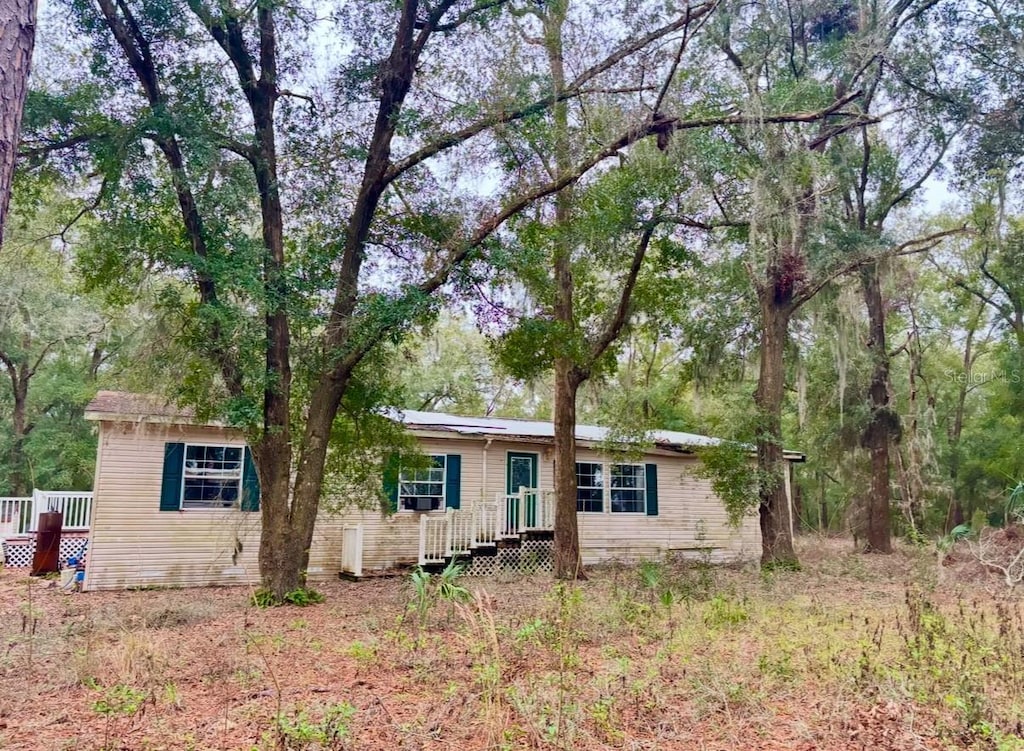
174	467
453	481
652	489
250	484
391	469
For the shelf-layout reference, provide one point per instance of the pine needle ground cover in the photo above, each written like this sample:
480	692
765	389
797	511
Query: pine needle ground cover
852	652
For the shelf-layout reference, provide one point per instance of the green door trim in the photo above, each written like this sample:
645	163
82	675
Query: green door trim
534	469
512	506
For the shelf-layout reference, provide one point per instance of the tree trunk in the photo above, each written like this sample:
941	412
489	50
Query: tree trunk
568	563
18	481
822	505
955	512
17	38
882	423
284	545
774	511
568	376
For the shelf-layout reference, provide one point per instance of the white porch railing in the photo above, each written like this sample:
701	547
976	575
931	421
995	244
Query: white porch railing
75	506
20	516
488	522
433	539
15	515
352	550
484	523
528	510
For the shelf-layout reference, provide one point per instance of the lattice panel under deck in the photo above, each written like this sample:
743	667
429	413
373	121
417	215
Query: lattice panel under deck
19	553
532	556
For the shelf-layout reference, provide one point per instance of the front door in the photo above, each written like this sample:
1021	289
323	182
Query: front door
521	472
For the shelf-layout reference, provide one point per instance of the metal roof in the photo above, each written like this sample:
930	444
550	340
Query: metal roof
118	406
536	429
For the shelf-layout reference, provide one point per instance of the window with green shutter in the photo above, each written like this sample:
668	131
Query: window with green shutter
453	481
423	489
651	471
199	476
628	488
250	484
389	477
170	489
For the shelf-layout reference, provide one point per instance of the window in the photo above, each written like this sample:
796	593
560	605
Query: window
422	489
589	487
208	476
212	477
628	488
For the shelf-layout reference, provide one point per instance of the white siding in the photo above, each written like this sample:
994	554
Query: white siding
690	518
135	544
394	540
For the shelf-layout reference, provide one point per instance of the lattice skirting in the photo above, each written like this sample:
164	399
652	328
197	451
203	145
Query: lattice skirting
19	553
532	556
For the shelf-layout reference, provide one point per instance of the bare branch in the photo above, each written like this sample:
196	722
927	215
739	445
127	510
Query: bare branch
917	245
572	90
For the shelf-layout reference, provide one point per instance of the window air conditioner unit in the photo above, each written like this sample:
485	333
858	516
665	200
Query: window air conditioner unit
424	504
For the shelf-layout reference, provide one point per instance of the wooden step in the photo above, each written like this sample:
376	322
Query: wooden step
537	534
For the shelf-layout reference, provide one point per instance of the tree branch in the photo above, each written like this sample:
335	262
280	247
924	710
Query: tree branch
918	245
618	321
49	146
468	14
572	90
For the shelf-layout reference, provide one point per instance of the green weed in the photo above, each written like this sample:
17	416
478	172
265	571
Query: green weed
724	612
299	731
301	597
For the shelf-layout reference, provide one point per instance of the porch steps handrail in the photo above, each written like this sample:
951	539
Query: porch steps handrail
484	523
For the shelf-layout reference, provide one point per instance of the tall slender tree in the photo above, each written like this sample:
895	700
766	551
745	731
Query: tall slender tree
789	178
17	38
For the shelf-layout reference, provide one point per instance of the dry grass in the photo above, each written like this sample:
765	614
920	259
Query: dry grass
853	652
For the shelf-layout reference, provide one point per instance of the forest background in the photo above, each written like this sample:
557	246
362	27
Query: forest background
782	223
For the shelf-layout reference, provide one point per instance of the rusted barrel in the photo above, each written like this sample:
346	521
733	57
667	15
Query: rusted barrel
47	556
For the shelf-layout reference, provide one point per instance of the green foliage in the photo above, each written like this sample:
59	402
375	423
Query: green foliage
448	367
300	598
120	699
725	612
773	566
57	347
428	590
733	476
1015	503
530	349
422	594
448	587
299	731
959	533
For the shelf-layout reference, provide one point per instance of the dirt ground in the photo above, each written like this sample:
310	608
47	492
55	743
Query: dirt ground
852	652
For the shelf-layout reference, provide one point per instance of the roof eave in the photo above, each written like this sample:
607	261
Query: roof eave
136	417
